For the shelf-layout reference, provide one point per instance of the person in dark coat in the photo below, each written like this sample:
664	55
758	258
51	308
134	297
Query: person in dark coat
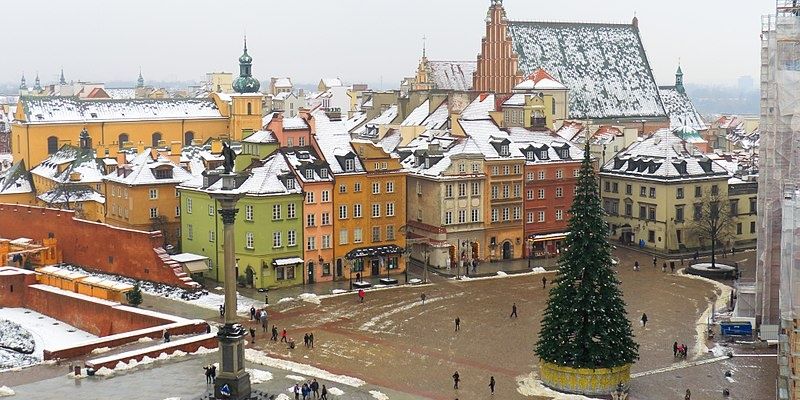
644	320
274	334
253	335
221	311
458	324
675	349
305	340
513	311
166	336
655	261
324	393
456	379
213	373
311	340
544	282
491	384
207	369
315	388
252	313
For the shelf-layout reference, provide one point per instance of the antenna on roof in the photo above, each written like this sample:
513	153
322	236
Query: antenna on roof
423	45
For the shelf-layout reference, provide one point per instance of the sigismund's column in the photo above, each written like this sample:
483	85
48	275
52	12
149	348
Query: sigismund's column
231	336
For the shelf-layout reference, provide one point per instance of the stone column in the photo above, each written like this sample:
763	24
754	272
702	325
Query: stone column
231	336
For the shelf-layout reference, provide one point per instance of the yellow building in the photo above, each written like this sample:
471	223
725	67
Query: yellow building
142	195
653	189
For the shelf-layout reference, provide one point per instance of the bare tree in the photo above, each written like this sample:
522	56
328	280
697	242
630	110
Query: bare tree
713	221
66	196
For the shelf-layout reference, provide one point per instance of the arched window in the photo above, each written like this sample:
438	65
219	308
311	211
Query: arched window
52	145
188	137
156	139
249	109
123	137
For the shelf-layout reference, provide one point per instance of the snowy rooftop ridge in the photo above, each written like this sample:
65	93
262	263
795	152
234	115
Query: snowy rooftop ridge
680	109
604	66
452	75
143	171
16	180
72	109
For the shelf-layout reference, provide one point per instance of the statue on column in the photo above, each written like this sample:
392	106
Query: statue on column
230	156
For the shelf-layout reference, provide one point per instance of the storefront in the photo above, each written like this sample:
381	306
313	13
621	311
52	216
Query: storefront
375	260
547	245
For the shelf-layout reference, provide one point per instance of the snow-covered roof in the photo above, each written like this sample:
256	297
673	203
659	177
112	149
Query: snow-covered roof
142	171
71	109
122	93
75	160
538	141
261	137
334	141
283	82
416	116
332	82
282	96
307	164
386	117
439	148
664	156
489	137
452	75
540	80
420	116
272	178
680	109
357	119
571	130
16	180
294	123
71	194
479	108
603	65
188	257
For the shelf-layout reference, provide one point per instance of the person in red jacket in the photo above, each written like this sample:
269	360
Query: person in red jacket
361	294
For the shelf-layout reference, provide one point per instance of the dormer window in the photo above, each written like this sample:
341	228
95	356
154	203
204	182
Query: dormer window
290	184
427	162
529	154
163	173
543	155
504	150
564	153
309	173
349	165
323	173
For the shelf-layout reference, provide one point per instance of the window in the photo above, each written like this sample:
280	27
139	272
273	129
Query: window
122	139
651	213
714	190
326	196
679	193
390	187
376	210
357	187
210	209
541	194
389	232
517	190
462	189
529	217
153	213
651	236
248	213
698	191
476	188
543	155
326	241
698	211
752	226
629	190
753	205
461	167
419	188
679	213
628	209
358	237
323	173
376	187
290	211
495	215
276	211
390	209
614	187
476	168
607	186
734	207
349	165
153	194
506	169
291	238
211	236
342	188
310	220
476	215
541	175
276	239
495	170
495	190
559	174
739	228
249	241
529	193
652	192
462	216
309	173
642	191
310	197
343	212
343	236
376	233
448	217
448	191
559	215
559	192
576	172
190	232
541	216
357	211
506	214
177	211
642	212
517	169
505	191
326	218
52	145
517	213
679	235
529	176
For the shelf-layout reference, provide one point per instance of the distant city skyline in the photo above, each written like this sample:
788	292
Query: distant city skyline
376	41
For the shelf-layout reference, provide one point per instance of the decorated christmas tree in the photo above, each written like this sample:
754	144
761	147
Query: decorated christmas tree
585	323
135	295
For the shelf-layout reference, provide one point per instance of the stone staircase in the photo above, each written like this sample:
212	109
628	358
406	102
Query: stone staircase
183	279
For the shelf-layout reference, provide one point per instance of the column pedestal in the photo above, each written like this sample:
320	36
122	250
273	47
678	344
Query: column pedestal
232	372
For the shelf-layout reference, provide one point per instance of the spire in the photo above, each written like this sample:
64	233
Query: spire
61	79
140	81
679	79
245	83
423	46
37	85
22	84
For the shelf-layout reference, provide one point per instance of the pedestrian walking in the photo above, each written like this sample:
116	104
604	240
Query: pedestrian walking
458	324
513	311
361	295
474	266
644	320
655	261
672	267
166	336
664	267
305	340
252	313
305	390
456	379
315	388
252	335
544	282
283	335
311	339
221	311
266	299
636	265
675	349
207	369
296	391
422	296
688	395
491	385
324	393
213	373
274	337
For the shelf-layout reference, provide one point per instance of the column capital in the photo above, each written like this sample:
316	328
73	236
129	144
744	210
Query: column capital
228	215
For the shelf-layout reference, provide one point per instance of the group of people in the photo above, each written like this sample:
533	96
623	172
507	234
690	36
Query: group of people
679	350
310	390
211	373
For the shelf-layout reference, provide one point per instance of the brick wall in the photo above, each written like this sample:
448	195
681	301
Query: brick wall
95	246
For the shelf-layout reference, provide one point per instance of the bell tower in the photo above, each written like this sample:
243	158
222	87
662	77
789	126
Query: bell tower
498	66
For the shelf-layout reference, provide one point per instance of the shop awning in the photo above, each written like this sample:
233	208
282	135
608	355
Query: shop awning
549	236
374	251
280	262
194	267
191	263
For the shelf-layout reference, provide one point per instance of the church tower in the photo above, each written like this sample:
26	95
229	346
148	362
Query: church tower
679	81
498	66
247	102
23	86
423	80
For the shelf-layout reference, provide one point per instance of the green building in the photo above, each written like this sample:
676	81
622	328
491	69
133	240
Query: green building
269	226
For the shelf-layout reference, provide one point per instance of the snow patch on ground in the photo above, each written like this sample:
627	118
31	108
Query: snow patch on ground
530	385
378	395
501	273
282	396
101	350
719	351
259	376
309	298
6	391
373	322
258	357
203	350
723	294
145	339
336	391
295	377
338	291
285	300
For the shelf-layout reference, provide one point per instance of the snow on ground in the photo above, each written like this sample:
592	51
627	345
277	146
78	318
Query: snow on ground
719	351
6	391
373	322
530	385
338	291
378	395
723	294
296	377
132	363
101	350
258	357
282	396
202	298
336	391
309	298
15	338
47	333
503	274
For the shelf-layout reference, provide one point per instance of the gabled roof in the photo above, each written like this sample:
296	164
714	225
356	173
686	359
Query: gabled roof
479	108
680	109
386	117
72	109
16	179
75	160
603	65
539	79
307	164
71	194
334	142
142	171
98	93
261	137
452	75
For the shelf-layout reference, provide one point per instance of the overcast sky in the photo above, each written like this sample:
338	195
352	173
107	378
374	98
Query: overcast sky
358	40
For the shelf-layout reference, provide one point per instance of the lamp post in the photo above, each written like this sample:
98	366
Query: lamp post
425	271
530	252
406	257
351	274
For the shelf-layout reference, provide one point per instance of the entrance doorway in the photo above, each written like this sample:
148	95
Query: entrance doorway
376	266
507	254
310	272
338	267
249	273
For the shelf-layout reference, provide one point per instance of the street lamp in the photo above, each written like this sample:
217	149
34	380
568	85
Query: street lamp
351	274
426	252
530	252
406	257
